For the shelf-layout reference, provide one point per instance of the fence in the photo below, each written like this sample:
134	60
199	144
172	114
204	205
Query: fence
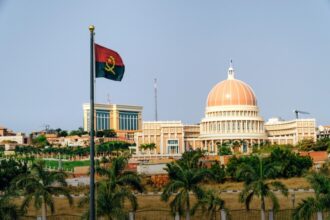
242	214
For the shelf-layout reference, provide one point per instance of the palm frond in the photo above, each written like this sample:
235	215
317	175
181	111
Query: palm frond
280	186
274	200
306	208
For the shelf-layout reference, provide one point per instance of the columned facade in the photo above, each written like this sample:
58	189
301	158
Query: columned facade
232	117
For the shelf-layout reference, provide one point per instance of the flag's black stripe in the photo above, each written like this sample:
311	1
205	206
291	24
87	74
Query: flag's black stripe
100	71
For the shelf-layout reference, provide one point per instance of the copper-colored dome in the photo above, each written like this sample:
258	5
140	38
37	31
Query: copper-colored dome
231	92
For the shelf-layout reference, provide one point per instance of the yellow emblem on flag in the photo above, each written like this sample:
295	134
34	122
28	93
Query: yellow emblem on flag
110	68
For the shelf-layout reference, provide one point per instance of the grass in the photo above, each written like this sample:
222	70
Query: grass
67	165
291	183
150	206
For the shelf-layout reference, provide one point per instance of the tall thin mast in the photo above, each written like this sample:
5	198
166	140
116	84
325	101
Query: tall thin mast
155	91
92	171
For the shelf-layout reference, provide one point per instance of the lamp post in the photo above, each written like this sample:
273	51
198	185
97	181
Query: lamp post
293	198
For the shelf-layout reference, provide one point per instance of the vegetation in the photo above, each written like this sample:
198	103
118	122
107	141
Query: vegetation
290	164
287	163
27	150
9	169
321	202
8	210
309	145
218	172
266	148
41	185
106	133
224	150
256	184
323	143
63	133
112	146
210	204
67	165
150	147
185	176
184	190
80	132
40	141
115	189
104	148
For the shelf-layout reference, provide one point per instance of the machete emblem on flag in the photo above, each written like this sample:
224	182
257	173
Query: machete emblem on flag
108	63
109	68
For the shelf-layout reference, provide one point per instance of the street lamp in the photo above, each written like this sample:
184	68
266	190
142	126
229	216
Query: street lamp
293	198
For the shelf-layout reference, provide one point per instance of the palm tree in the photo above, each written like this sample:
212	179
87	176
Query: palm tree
117	177
110	202
256	184
184	178
40	185
321	202
8	210
115	189
211	203
149	147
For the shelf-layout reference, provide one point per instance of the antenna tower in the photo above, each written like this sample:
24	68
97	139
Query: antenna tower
155	90
108	99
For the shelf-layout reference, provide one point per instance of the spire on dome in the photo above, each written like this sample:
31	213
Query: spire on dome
231	73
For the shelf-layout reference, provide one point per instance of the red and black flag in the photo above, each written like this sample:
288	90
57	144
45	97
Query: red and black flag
108	64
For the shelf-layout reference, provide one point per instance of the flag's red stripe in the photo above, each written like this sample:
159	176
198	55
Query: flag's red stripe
102	55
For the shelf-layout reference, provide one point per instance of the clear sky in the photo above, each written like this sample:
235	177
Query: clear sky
280	48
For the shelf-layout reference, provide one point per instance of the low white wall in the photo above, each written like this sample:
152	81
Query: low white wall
151	169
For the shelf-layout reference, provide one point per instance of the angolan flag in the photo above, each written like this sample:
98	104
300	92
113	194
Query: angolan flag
108	64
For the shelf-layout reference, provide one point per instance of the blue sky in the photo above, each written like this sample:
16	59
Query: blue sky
280	48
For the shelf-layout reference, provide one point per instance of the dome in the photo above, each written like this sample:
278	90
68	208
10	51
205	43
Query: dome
231	92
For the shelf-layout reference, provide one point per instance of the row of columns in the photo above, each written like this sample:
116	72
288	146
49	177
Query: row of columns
211	145
232	113
233	126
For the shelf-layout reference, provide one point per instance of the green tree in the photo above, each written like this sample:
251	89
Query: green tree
27	150
99	133
321	202
290	164
110	133
306	144
63	133
8	210
218	172
210	204
322	144
9	169
257	184
224	150
2	150
115	189
150	147
41	185
40	141
78	132
185	177
235	162
110	201
118	177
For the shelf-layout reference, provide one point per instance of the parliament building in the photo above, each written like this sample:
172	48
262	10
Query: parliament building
231	117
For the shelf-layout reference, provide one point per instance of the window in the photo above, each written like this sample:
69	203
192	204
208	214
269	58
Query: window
172	146
128	120
102	120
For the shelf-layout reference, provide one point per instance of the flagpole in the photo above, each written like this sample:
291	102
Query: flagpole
92	166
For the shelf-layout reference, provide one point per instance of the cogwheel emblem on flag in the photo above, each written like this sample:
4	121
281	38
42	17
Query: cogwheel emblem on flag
110	68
